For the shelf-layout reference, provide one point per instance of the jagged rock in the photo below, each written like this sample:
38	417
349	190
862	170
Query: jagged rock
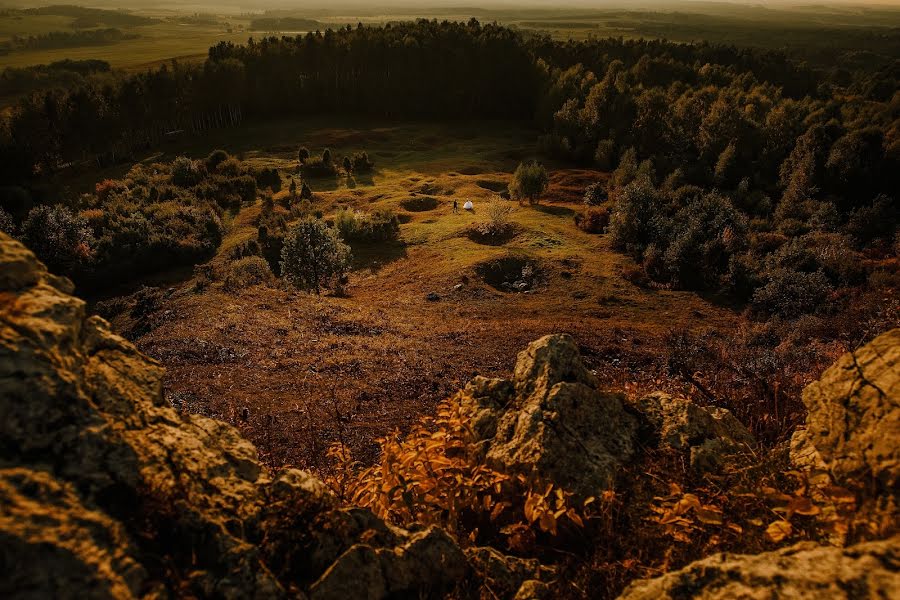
43	521
505	575
803	571
367	572
108	492
710	434
484	401
552	422
853	420
534	590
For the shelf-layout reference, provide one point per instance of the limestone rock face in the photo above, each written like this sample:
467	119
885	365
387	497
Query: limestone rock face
803	571
108	492
711	435
853	420
551	421
43	521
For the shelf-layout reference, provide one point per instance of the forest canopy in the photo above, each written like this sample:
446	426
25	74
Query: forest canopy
719	154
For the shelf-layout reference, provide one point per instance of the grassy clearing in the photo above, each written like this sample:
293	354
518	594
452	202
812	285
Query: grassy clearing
316	369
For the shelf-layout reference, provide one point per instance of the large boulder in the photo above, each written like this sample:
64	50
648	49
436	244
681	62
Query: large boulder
804	571
853	420
107	492
552	422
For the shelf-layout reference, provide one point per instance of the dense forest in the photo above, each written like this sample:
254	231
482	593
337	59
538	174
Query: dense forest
748	173
66	39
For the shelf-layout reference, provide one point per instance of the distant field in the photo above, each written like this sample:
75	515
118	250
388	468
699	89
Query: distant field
817	32
155	43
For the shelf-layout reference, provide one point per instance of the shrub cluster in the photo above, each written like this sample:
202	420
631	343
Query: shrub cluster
319	166
360	162
687	237
499	224
246	272
380	225
157	217
268	178
592	219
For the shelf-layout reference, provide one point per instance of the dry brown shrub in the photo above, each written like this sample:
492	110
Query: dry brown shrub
433	475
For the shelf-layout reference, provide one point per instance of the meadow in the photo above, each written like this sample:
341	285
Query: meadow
313	369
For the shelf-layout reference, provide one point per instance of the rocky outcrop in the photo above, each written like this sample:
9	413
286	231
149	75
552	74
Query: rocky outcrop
108	492
711	435
508	576
853	420
552	422
803	571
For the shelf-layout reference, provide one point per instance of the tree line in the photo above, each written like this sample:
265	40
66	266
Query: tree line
66	39
753	139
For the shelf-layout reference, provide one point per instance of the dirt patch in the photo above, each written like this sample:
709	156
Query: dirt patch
471	170
494	237
429	188
510	274
420	204
492	185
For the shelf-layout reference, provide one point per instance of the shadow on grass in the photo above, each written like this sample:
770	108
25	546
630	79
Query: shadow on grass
322	184
556	211
420	204
376	255
355	180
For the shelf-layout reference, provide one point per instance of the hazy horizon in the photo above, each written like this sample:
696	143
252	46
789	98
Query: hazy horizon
464	4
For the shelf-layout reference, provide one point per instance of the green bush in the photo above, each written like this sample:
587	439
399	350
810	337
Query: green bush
230	167
636	219
187	172
790	294
595	194
701	240
268	178
318	167
529	181
246	272
59	237
216	158
314	256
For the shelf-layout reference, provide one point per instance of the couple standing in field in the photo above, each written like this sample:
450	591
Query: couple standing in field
467	206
